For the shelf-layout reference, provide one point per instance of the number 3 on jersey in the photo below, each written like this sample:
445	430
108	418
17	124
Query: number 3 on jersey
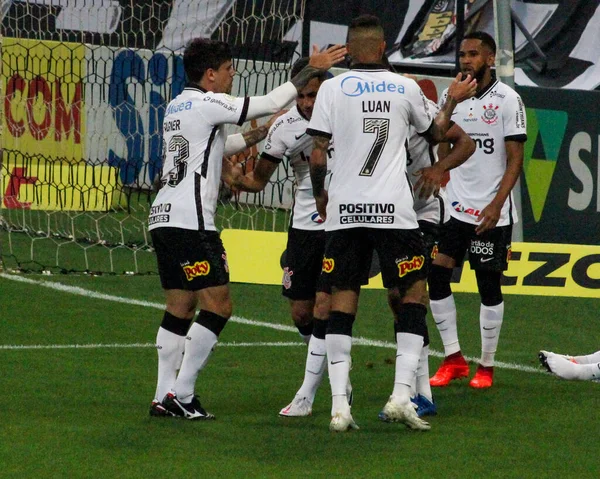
181	146
381	128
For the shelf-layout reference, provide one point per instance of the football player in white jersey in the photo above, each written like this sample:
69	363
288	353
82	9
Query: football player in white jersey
309	299
583	368
482	209
369	207
432	212
192	263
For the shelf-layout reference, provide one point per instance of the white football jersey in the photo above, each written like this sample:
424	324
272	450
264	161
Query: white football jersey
421	154
367	111
493	116
193	143
287	140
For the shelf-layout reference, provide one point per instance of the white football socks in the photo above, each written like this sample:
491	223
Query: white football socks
339	347
422	381
566	369
199	346
490	323
588	359
408	352
316	361
444	315
170	347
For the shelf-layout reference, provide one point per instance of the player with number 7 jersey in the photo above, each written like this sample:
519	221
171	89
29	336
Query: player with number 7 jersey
367	110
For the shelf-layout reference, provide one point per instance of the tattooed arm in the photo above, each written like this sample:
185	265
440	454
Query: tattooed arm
240	141
458	91
318	172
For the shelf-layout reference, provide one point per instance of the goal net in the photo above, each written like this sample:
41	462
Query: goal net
84	87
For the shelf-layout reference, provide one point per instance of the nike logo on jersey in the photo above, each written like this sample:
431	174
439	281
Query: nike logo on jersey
485	260
336	362
299	136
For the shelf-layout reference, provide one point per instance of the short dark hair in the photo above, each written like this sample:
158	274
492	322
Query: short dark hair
365	21
200	54
486	39
299	66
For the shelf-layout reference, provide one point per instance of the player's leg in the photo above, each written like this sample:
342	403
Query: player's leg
209	280
347	256
177	318
302	315
488	255
423	396
302	263
302	286
316	362
593	358
567	369
451	251
338	342
405	281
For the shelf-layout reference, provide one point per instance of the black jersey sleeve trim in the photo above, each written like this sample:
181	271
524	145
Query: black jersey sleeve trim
522	138
271	158
209	144
244	111
311	132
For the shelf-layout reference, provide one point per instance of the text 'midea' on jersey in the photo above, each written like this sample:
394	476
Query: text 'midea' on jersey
193	143
368	111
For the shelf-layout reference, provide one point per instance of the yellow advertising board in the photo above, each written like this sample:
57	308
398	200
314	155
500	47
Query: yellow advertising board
43	106
39	185
535	268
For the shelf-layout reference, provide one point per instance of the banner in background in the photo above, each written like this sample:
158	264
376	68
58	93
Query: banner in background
561	194
534	269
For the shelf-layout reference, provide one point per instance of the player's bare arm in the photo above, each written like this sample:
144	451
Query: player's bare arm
459	90
430	178
240	141
258	178
489	216
318	172
318	62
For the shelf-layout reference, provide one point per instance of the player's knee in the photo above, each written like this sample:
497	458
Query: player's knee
322	306
411	319
489	286
439	282
301	317
340	323
214	322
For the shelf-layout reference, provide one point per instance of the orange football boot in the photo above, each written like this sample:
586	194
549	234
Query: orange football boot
453	367
484	377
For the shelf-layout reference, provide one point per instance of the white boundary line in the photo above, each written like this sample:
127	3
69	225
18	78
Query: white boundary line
76	290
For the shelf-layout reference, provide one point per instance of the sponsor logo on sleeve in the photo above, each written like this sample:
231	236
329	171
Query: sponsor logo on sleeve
409	265
199	268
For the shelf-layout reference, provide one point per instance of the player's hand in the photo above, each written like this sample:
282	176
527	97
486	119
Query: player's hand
321	202
429	182
488	218
326	59
232	172
461	89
